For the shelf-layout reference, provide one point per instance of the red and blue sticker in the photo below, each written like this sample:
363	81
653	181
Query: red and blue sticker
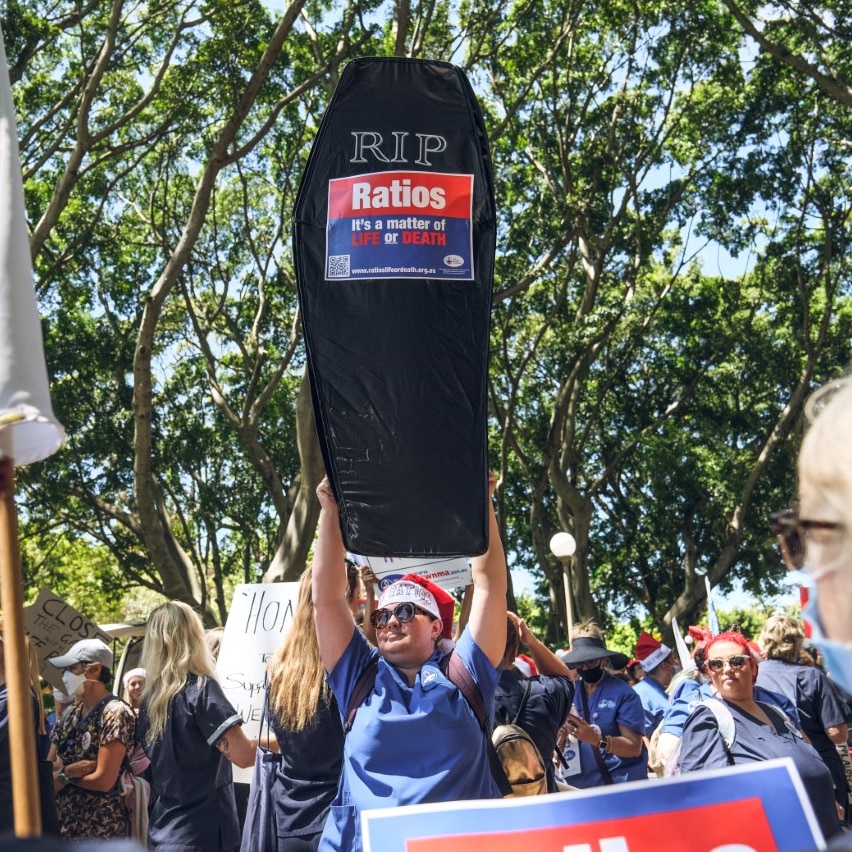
400	224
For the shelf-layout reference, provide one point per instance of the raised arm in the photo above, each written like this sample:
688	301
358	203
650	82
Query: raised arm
487	623
333	618
545	660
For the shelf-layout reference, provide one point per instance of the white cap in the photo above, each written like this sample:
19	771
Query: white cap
404	591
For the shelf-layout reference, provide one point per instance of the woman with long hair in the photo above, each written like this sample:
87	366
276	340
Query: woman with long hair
191	732
305	719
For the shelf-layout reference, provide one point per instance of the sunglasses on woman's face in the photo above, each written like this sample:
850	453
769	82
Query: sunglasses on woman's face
792	531
736	661
403	613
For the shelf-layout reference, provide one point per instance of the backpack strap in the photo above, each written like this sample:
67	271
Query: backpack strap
456	671
523	704
724	719
363	687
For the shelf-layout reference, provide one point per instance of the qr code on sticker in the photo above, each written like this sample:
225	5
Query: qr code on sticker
338	266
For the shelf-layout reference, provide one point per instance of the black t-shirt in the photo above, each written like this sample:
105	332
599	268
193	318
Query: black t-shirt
547	708
195	793
307	777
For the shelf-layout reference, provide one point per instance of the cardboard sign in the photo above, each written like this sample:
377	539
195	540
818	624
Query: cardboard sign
760	807
453	573
259	618
53	627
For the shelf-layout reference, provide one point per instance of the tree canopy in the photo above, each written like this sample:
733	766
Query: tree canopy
642	396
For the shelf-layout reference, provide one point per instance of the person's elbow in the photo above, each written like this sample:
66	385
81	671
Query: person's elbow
838	734
101	782
244	761
634	751
238	748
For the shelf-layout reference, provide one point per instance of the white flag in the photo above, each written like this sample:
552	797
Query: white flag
28	429
712	618
686	661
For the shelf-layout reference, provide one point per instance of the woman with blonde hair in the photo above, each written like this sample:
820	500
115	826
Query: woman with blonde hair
305	719
822	711
191	732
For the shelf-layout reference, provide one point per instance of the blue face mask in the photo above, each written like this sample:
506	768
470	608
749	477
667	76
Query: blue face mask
838	661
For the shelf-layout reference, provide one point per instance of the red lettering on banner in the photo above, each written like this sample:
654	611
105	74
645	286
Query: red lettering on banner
740	825
424	238
371	238
400	193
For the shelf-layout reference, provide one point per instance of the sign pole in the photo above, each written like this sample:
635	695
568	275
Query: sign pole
22	747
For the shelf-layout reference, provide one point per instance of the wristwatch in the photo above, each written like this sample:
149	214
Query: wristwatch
63	777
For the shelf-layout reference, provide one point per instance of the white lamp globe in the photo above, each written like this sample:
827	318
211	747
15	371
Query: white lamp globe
563	545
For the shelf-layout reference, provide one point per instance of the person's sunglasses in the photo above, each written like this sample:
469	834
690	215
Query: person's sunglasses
403	613
792	532
736	661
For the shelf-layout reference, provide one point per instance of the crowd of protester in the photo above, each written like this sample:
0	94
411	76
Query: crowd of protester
390	702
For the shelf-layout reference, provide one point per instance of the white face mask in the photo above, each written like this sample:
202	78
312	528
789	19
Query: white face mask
74	684
811	576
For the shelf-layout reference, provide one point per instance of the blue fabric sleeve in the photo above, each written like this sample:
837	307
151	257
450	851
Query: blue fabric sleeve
631	713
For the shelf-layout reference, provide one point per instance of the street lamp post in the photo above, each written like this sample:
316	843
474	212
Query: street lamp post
563	546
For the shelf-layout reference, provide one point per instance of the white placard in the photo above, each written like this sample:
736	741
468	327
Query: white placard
451	573
260	615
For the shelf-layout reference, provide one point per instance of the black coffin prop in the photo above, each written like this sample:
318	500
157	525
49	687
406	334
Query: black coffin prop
394	235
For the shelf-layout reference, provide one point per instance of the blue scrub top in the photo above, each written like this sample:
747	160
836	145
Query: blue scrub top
613	703
408	744
654	700
689	692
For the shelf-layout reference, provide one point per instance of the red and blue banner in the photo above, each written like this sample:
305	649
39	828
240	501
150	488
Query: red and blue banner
760	807
400	224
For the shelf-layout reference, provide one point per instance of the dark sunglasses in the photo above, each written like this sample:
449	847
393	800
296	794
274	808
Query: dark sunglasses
403	613
736	661
792	532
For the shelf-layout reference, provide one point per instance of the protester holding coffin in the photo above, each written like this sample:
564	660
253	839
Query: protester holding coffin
744	730
414	737
191	732
89	745
607	719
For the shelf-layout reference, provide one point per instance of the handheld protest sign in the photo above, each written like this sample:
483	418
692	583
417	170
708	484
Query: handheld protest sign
394	235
